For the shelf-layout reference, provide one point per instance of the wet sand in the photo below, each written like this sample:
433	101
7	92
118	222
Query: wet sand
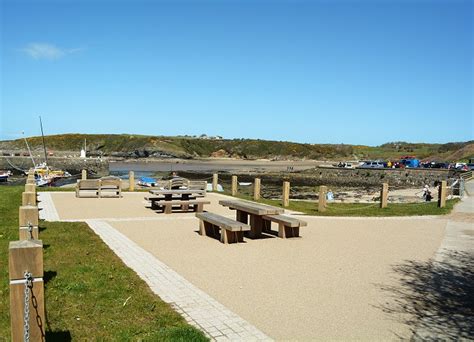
210	165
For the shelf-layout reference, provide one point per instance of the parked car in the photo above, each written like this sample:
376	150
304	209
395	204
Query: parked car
345	165
372	164
470	166
412	162
439	165
462	167
426	165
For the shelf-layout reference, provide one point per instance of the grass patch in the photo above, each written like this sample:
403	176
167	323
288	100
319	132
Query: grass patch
362	209
86	286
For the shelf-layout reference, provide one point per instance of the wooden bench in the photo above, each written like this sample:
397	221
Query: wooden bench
111	186
167	206
287	226
198	185
230	231
88	188
183	183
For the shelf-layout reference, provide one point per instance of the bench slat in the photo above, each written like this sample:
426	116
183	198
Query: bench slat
286	220
179	202
223	222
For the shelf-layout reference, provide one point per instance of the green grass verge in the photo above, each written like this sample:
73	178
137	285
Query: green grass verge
87	287
362	209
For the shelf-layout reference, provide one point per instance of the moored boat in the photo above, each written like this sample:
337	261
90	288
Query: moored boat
4	175
147	182
44	175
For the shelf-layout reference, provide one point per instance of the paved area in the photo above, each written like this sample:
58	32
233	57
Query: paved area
324	285
455	253
47	208
197	307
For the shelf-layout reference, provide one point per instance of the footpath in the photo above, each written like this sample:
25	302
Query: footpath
448	309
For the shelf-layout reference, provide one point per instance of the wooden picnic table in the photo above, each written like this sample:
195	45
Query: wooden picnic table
255	211
165	199
182	194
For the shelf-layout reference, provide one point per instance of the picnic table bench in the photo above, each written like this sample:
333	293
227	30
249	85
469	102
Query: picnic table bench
184	205
185	199
261	216
167	198
287	226
254	211
230	231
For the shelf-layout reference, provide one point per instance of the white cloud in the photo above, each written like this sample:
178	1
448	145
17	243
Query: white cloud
47	51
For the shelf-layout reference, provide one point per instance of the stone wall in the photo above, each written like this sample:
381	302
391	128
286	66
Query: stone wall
74	166
394	177
352	177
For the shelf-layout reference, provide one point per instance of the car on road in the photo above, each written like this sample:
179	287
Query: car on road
372	164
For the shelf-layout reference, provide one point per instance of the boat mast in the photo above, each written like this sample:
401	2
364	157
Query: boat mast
44	145
29	151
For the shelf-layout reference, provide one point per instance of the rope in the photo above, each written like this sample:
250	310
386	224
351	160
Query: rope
13	166
358	208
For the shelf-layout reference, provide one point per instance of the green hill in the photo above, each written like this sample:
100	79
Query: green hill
187	147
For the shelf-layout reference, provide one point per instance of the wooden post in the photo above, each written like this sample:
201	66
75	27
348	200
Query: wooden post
322	198
28	198
29	233
31	175
215	181
84	174
131	180
256	189
286	193
30	188
234	185
442	194
26	256
28	215
384	195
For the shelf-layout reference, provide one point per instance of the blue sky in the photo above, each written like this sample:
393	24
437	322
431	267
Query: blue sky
355	72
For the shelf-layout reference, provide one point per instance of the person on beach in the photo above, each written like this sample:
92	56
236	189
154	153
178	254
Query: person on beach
330	196
427	193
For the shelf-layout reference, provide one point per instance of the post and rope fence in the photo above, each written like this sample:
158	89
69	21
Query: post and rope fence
382	200
25	267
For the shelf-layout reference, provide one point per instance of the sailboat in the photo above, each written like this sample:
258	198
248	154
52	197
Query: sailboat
44	174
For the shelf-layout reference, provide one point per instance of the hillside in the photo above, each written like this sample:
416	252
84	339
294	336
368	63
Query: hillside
125	145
